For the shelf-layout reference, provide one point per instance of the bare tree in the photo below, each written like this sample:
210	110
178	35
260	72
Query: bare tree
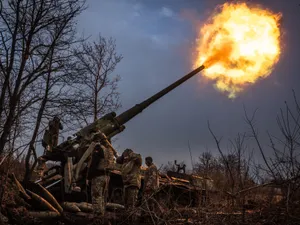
7	160
207	164
54	91
284	166
30	31
95	64
236	168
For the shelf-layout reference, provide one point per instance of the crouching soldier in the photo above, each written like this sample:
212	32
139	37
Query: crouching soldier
131	175
100	164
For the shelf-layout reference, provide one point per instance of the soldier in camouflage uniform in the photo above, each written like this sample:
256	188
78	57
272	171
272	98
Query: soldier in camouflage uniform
101	163
131	175
54	127
49	142
151	183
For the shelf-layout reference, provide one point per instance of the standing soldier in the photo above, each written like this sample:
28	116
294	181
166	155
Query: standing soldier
99	167
50	141
54	127
131	175
151	182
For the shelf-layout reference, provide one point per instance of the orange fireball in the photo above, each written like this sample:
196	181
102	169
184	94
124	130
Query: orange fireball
239	45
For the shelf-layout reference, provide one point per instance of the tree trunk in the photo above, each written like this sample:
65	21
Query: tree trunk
28	170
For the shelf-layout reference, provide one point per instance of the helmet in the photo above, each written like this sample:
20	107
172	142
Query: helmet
127	151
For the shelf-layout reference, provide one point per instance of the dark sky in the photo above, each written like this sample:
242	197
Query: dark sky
156	38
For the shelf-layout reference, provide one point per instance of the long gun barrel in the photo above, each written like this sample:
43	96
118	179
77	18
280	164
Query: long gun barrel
132	112
110	124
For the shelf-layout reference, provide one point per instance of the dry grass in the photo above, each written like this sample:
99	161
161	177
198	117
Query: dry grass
265	209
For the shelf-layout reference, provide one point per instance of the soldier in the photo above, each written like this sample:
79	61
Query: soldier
180	167
151	183
50	141
54	127
101	163
131	175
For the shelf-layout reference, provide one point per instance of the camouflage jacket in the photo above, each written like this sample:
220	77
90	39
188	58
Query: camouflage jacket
107	162
151	181
131	172
54	127
100	162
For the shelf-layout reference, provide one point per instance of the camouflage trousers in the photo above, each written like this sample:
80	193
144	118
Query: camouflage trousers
130	197
99	191
53	140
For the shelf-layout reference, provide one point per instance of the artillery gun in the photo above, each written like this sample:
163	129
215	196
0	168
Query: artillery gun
73	153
